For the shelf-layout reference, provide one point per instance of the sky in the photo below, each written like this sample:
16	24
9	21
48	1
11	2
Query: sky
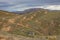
21	5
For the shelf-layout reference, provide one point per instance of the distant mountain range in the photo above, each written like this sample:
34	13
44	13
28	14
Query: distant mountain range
33	10
29	10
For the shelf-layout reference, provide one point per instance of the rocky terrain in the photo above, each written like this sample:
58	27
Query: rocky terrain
39	24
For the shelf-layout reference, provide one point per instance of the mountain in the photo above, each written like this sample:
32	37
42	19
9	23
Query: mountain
29	10
37	23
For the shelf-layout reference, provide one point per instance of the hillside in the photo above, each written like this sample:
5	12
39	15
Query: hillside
31	24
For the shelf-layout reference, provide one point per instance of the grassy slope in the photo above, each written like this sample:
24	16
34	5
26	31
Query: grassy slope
32	24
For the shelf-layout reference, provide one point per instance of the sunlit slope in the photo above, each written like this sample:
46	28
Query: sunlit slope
31	24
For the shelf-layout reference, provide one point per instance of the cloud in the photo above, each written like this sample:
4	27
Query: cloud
24	7
52	7
20	5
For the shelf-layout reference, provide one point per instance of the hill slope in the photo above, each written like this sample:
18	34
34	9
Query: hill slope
33	24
